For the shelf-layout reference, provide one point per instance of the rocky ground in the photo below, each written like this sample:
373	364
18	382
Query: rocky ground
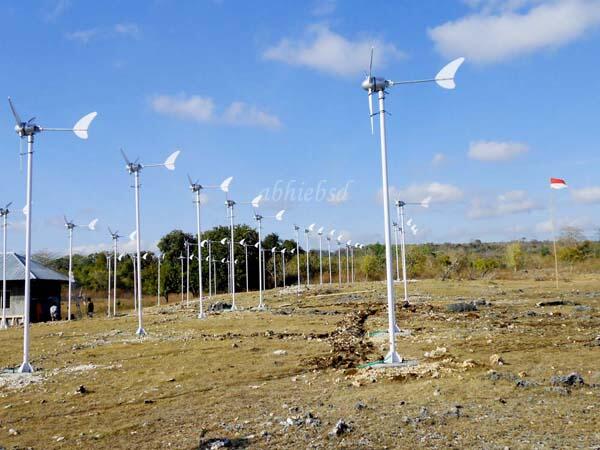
497	364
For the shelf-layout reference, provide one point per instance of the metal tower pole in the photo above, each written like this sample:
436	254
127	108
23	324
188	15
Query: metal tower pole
109	282
3	323
70	271
392	356
25	366
329	257
115	279
140	331
201	313
261	304
403	248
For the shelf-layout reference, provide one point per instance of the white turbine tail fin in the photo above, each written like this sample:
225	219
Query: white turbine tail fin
243	241
81	127
426	201
312	226
349	242
320	230
409	222
225	184
203	242
445	77
92	224
331	233
279	215
145	256
133	235
170	161
256	201
224	241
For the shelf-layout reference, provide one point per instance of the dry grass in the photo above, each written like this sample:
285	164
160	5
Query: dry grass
191	379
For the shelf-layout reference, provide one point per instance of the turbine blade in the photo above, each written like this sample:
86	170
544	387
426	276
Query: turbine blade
256	201
445	77
170	161
14	112
81	127
125	156
190	179
371	62
225	184
8	205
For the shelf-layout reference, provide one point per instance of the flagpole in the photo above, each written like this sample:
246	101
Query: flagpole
552	214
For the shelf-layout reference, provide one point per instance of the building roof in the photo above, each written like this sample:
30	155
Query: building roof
15	269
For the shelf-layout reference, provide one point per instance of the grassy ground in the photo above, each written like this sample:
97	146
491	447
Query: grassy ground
193	380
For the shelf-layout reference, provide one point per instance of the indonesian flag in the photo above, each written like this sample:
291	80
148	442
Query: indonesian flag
557	183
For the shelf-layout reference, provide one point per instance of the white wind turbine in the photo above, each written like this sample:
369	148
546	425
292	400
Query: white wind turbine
320	233
339	243
307	232
115	238
243	244
181	259
210	265
445	79
348	245
108	300
196	188
297	230
70	227
273	255
134	168
4	214
329	236
29	129
158	260
259	218
400	225
283	264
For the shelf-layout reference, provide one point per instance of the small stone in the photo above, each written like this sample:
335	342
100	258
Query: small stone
280	352
496	360
82	390
573	379
340	428
360	406
12	432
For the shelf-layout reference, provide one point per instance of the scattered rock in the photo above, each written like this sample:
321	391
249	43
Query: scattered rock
12	432
280	352
148	401
82	390
220	307
496	360
571	380
525	384
555	303
461	307
340	428
360	406
437	353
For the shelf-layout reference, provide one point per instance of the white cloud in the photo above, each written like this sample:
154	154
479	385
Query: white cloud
512	202
583	223
59	8
332	53
496	151
586	195
202	110
439	193
128	29
83	36
501	30
438	159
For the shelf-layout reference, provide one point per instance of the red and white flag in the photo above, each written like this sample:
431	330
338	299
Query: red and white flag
558	183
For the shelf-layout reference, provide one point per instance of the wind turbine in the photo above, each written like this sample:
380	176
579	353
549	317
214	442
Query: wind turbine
108	301
224	241
29	129
329	236
259	218
320	233
134	168
187	272
273	254
307	231
297	230
395	227
132	238
4	214
115	238
70	227
181	258
400	214
243	244
209	260
158	259
445	79
339	243
348	245
357	245
283	264
196	188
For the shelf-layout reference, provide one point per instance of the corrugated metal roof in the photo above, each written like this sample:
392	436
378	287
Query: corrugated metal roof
15	269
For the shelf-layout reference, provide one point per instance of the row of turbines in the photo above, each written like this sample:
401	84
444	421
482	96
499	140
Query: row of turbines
373	85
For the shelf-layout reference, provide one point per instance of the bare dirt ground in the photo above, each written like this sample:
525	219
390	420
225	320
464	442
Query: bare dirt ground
492	376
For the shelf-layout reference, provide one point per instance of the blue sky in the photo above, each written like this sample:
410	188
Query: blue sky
269	92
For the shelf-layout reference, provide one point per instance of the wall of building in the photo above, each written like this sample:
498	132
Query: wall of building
44	294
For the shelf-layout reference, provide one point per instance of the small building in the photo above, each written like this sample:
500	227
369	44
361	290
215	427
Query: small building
46	285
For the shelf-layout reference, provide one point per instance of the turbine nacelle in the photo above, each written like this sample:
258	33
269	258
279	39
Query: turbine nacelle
374	84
